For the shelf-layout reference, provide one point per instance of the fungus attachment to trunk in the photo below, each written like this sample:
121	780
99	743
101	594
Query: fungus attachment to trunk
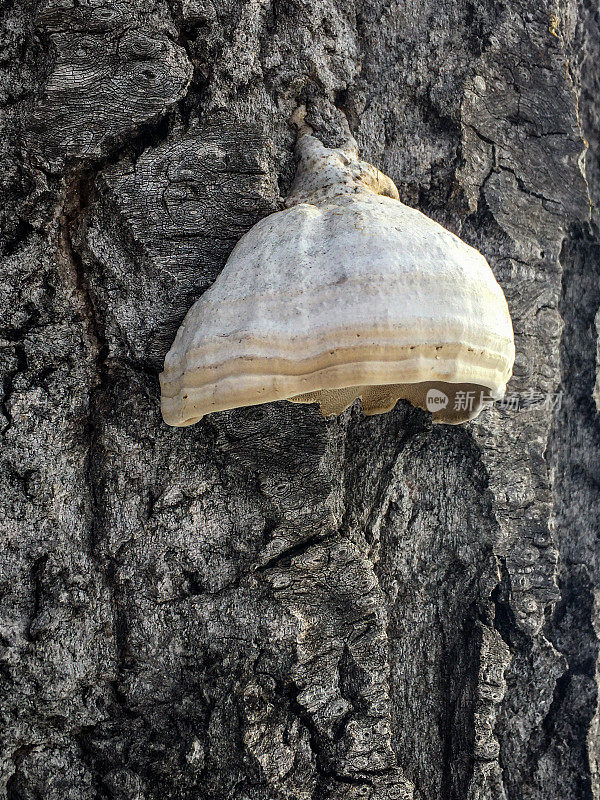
345	293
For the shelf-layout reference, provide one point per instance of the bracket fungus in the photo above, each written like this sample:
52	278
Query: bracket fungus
345	293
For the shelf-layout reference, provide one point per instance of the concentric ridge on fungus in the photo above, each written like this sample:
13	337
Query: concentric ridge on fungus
346	293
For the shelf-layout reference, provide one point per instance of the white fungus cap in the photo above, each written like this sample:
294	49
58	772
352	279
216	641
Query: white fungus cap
346	293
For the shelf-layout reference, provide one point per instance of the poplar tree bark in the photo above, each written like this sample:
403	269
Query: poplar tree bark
268	605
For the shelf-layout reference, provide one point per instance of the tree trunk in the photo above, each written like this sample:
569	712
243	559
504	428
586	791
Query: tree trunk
268	605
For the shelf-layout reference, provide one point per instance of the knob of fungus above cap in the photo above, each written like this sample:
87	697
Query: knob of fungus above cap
345	293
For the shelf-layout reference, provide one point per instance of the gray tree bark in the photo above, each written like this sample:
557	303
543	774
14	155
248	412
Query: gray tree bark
267	605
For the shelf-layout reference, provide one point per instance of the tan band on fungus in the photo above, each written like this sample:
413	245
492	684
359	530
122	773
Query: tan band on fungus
265	380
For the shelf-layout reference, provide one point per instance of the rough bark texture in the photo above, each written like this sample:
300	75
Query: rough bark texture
267	605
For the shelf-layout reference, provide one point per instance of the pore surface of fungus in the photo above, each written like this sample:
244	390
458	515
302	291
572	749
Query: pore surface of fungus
345	293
